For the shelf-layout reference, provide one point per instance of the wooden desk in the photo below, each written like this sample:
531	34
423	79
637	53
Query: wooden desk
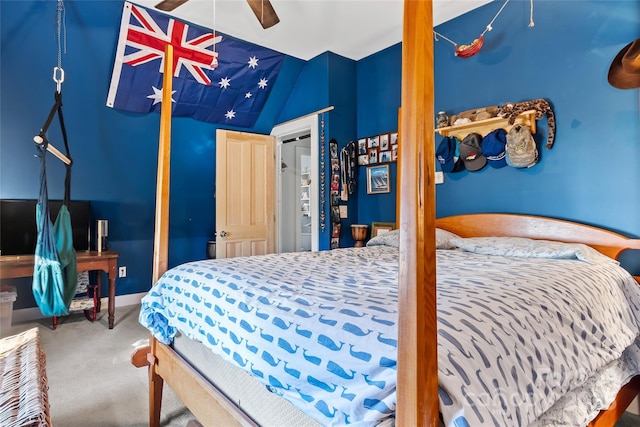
13	266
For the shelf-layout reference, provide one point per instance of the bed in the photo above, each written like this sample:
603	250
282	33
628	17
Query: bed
320	328
418	394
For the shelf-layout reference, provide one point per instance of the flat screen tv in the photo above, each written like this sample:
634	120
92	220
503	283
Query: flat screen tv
18	234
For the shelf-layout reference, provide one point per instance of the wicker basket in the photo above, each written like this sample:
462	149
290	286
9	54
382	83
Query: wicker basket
23	389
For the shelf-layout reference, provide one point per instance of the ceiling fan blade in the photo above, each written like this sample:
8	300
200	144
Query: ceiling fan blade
169	5
264	12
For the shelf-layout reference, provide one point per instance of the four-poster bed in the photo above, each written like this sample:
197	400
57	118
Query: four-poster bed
417	352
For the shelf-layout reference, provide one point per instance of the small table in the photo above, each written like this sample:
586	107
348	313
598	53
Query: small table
14	266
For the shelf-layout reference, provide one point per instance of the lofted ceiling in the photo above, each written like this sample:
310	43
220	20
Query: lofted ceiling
350	28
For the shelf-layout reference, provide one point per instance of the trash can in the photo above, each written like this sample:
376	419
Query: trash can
211	249
8	296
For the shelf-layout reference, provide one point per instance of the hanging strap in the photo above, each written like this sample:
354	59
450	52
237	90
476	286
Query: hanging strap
42	136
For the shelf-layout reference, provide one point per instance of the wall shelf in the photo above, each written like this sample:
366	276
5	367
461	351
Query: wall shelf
484	127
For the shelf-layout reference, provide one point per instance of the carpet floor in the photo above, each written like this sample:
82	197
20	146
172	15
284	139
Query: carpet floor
91	379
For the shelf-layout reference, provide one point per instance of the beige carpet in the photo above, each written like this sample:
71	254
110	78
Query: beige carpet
91	379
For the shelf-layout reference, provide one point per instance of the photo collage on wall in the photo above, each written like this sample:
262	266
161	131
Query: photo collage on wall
376	149
335	194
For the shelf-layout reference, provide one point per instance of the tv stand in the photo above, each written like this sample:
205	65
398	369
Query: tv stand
14	266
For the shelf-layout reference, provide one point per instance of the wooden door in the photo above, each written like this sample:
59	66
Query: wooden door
245	189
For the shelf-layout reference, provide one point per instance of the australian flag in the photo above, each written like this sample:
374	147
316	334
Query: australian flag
216	79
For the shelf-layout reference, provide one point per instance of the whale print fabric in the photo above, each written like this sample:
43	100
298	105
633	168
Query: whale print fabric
515	335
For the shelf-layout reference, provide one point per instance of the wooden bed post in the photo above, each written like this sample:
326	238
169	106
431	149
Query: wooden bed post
417	388
161	235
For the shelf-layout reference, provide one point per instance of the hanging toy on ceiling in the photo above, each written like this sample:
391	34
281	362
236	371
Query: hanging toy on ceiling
468	50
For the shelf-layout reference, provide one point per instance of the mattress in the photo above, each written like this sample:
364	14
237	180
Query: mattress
265	408
519	329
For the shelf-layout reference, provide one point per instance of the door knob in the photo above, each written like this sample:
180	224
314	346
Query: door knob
223	234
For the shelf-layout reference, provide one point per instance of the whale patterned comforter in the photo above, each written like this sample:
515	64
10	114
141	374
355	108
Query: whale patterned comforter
516	335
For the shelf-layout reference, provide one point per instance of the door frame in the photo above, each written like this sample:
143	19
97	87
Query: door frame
282	132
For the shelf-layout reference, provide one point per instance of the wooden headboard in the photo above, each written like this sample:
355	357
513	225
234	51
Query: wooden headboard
536	227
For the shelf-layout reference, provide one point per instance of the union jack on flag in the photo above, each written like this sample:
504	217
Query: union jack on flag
217	78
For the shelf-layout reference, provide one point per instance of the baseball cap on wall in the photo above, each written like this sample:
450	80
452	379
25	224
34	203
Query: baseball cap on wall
446	155
521	148
471	152
493	148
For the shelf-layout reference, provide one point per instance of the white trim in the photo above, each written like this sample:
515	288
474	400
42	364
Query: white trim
306	123
34	313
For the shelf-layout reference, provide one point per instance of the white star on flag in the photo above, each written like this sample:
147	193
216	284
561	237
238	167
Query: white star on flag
230	114
224	82
262	83
157	95
253	62
247	95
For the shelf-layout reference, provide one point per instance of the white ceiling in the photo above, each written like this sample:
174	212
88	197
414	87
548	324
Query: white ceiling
351	28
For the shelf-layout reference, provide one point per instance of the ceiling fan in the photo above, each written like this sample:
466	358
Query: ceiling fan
261	8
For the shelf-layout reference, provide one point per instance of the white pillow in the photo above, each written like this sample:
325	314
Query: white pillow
531	248
392	238
443	239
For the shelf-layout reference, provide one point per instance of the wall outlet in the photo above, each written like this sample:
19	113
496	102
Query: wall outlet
122	272
439	177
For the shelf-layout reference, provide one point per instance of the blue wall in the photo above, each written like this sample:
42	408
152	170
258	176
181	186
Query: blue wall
590	175
114	152
378	91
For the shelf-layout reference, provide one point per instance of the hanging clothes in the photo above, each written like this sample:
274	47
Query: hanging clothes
55	275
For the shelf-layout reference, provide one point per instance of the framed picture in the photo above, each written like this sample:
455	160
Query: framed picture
335	214
378	228
385	156
378	179
373	142
362	146
394	153
384	142
373	156
336	230
393	138
333	149
363	159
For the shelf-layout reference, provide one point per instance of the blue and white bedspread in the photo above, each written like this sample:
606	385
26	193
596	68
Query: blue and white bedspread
517	337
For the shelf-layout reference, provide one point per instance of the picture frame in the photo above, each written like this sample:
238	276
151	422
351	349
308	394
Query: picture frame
378	228
363	159
373	156
393	138
378	179
385	157
362	146
373	142
384	142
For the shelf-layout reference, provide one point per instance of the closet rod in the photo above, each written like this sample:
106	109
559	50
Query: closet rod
53	150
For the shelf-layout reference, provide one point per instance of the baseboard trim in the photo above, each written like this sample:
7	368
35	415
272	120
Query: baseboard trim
33	313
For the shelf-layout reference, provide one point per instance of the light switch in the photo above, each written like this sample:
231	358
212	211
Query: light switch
343	211
439	177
